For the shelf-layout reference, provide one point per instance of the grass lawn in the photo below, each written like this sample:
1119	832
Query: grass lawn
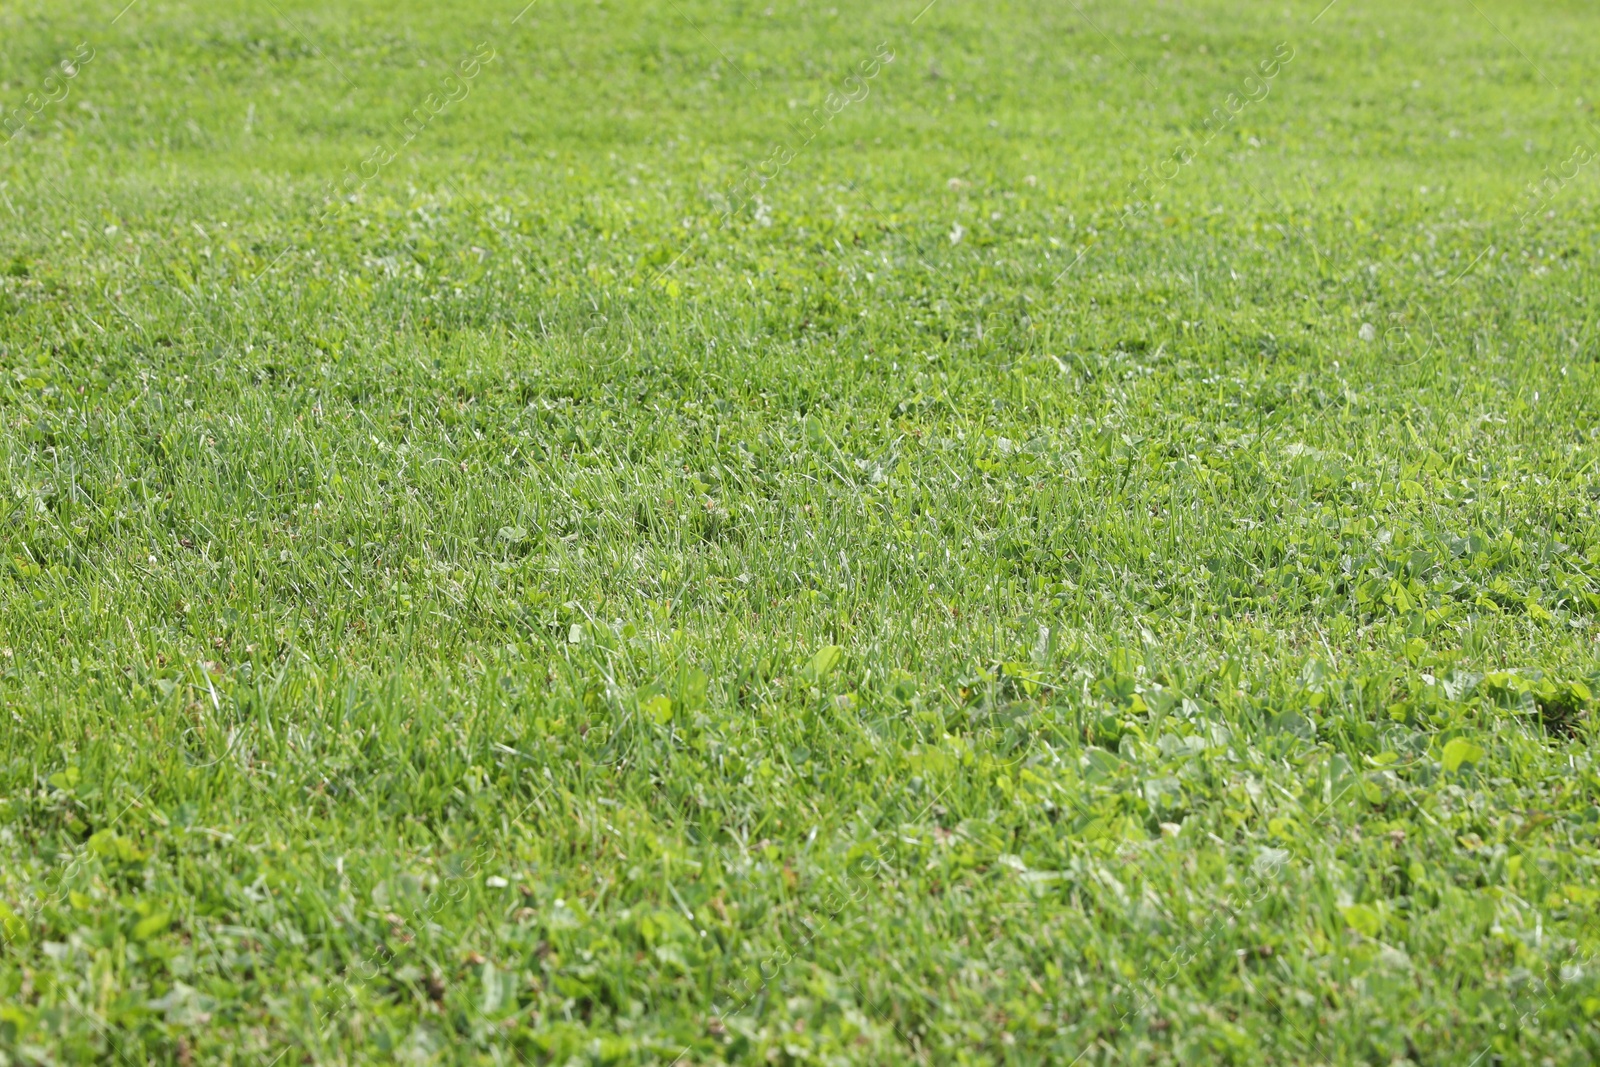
676	533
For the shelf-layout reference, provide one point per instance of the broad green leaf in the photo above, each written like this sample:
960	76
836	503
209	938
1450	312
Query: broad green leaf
113	846
1362	918
1460	751
659	708
826	659
151	925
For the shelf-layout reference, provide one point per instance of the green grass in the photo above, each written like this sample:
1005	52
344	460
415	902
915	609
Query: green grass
560	600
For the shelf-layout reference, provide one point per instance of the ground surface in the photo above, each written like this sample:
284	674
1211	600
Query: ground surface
521	588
